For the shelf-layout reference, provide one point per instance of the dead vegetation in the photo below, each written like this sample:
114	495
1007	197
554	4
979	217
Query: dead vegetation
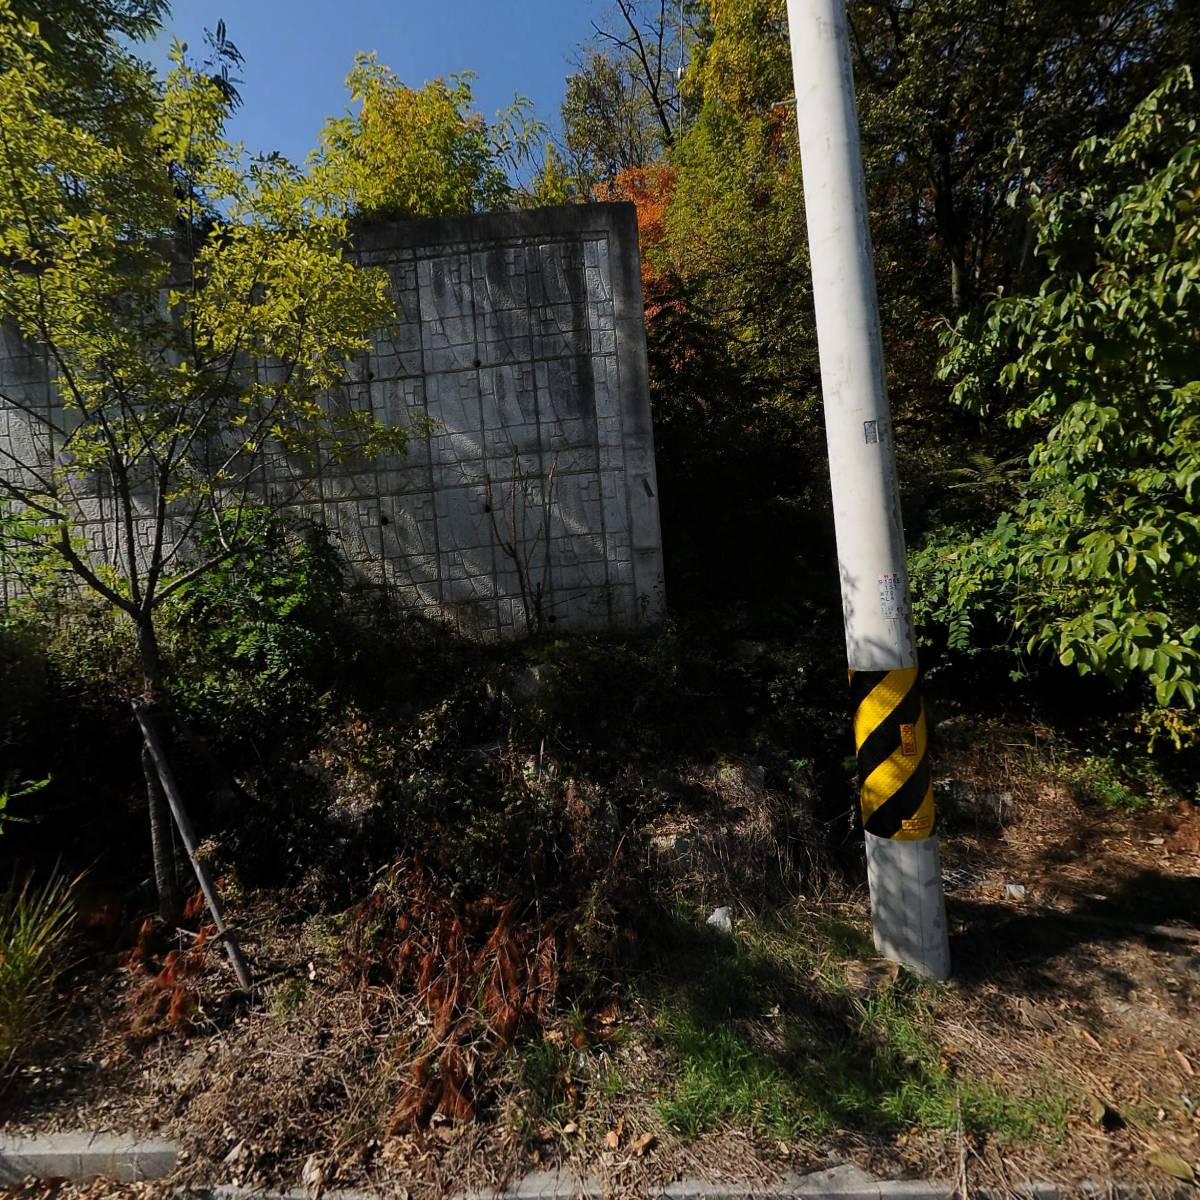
480	974
587	1018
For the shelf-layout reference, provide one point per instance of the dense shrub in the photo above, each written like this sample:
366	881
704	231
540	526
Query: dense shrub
1095	558
252	646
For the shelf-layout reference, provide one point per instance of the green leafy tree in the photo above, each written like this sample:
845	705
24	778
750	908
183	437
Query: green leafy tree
553	182
1098	558
420	152
947	88
85	41
736	232
193	307
251	644
963	104
609	124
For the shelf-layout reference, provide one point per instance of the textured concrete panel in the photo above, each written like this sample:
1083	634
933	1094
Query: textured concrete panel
520	337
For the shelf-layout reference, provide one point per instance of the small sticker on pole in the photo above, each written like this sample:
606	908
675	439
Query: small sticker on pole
891	600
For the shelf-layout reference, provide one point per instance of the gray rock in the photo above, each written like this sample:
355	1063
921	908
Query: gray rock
721	919
964	805
744	778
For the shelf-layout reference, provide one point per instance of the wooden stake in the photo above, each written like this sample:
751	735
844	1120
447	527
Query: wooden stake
146	719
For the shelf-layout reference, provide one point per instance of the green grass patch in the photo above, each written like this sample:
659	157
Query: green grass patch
766	1033
289	996
545	1074
1101	780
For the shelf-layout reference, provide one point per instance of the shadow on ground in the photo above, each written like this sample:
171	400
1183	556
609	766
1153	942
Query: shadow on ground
767	1029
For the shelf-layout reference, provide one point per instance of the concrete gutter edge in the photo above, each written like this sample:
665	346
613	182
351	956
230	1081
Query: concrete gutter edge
124	1158
591	1189
818	1187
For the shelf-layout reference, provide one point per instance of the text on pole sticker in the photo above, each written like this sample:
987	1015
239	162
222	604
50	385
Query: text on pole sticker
890	601
870	432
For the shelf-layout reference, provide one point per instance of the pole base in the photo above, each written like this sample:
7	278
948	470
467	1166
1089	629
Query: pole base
908	909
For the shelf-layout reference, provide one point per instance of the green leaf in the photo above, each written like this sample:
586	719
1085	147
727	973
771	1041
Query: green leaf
1173	1165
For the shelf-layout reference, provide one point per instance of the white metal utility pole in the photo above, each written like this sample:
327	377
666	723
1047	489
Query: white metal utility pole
908	909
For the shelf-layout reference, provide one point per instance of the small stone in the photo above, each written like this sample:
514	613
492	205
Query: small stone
671	845
742	778
721	918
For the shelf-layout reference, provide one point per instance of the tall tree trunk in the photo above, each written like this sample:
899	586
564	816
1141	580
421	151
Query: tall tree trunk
151	656
950	232
148	719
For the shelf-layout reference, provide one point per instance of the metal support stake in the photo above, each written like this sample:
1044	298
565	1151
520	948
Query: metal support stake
907	904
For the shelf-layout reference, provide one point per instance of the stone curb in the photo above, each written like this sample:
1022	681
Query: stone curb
837	1183
127	1159
811	1189
77	1156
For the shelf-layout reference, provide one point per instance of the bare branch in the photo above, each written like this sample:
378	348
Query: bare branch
25	497
651	72
63	546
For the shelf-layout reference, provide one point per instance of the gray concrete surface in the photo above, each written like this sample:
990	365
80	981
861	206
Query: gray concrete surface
521	336
842	1182
78	1156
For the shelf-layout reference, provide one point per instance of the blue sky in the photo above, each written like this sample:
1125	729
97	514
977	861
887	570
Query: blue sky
299	51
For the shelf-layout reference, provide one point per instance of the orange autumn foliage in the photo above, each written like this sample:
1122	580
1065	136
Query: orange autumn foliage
164	995
650	190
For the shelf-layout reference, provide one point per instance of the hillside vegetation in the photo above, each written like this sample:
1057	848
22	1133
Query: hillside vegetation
600	900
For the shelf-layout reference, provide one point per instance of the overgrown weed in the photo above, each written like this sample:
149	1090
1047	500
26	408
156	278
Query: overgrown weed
35	920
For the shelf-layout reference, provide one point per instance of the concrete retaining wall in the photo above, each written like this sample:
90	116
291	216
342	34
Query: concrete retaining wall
521	336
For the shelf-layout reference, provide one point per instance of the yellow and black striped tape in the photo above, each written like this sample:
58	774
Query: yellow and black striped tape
893	763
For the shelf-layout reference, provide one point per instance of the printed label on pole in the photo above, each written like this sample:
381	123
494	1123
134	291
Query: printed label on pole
890	601
908	740
871	432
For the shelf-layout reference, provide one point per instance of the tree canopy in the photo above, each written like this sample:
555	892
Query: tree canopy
1055	440
418	152
1098	557
154	276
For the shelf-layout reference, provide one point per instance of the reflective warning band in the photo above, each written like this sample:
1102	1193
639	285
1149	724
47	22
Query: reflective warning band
893	763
